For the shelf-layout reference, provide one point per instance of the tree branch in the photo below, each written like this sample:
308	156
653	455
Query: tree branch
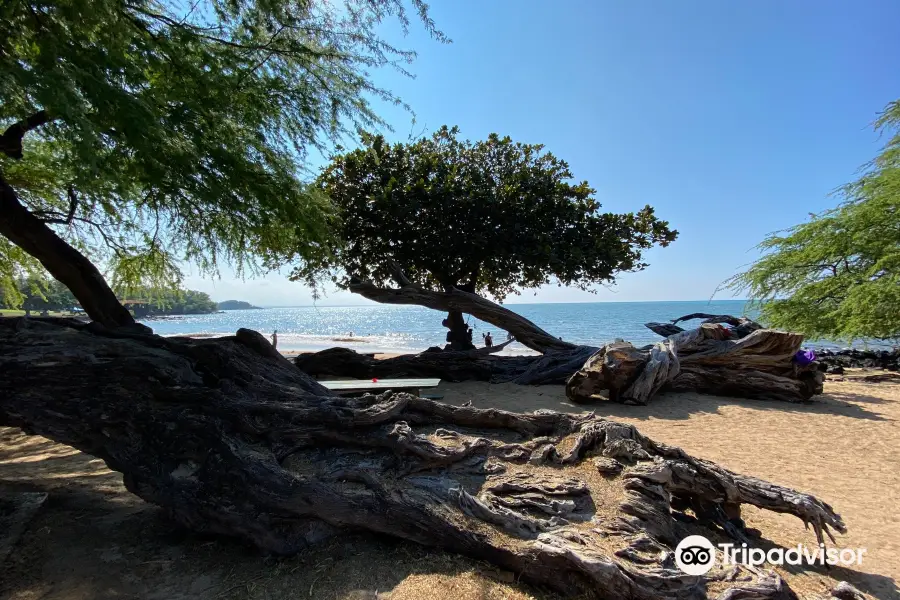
399	276
66	264
73	205
267	47
525	332
55	218
473	277
11	140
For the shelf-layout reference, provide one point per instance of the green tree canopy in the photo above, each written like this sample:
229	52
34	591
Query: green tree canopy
150	302
37	293
166	132
488	217
837	276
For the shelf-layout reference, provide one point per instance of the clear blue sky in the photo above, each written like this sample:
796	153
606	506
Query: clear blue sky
733	119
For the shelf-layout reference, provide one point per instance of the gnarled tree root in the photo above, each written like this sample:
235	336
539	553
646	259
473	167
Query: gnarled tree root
231	438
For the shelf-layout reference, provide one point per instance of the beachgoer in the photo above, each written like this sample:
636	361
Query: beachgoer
469	335
488	340
508	336
275	339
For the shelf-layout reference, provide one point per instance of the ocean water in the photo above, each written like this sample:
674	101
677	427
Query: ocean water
414	328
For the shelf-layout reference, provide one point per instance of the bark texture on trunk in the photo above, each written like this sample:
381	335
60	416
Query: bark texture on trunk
64	262
710	359
456	300
229	437
458	338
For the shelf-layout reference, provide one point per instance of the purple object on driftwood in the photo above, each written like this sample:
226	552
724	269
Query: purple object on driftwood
805	357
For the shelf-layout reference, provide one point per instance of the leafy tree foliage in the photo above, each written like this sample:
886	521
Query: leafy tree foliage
236	305
166	132
149	302
15	263
489	217
837	276
37	293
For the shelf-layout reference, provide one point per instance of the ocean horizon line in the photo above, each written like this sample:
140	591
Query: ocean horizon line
507	304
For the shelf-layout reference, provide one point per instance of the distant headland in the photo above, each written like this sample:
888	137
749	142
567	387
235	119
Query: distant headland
237	305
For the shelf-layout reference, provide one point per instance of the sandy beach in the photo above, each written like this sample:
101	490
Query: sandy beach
94	540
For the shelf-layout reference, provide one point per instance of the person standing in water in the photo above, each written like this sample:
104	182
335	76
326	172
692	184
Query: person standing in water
275	339
488	340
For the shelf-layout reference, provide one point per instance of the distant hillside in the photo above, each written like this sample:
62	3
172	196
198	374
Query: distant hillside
236	305
46	294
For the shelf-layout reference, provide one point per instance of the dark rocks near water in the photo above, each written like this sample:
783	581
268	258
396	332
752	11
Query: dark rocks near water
838	360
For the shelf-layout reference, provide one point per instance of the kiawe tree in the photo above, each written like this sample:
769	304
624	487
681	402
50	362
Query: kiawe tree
142	135
489	218
837	276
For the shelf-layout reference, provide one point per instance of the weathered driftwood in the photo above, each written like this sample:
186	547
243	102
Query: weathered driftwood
710	359
450	366
474	365
231	438
741	326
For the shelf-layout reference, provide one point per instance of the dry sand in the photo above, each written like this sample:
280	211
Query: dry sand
93	540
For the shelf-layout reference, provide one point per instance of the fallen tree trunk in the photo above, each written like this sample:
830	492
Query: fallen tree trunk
230	438
474	365
708	359
450	366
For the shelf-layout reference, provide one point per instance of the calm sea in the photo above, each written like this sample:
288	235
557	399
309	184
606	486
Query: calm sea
414	328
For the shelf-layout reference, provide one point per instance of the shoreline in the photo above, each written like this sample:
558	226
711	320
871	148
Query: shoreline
359	345
382	353
378	355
